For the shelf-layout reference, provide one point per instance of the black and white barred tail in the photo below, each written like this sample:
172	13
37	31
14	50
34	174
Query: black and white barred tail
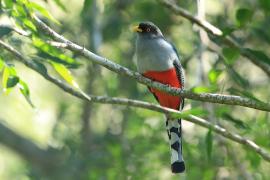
175	136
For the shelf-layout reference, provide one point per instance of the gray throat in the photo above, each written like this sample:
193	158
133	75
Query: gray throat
154	54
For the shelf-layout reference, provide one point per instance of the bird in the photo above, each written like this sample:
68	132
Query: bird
158	60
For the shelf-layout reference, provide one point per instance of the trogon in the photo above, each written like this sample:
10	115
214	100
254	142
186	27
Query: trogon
157	59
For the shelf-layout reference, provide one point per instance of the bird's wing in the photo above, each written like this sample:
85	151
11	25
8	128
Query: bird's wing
179	71
175	50
181	78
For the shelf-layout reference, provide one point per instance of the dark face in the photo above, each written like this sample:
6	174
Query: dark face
148	29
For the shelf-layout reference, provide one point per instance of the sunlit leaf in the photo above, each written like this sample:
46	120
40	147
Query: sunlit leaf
1	64
205	89
243	16
12	70
193	111
213	75
7	4
43	11
29	24
10	78
65	74
209	143
208	174
49	52
5	78
230	54
19	11
63	60
25	92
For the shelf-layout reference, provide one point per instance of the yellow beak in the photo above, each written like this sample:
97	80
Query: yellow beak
137	29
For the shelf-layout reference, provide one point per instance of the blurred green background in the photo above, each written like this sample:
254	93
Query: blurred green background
118	142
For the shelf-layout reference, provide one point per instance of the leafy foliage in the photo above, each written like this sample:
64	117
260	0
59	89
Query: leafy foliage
243	16
114	142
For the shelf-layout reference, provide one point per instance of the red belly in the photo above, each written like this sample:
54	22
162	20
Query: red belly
165	77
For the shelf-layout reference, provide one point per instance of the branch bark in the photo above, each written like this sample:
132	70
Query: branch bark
140	104
216	32
205	97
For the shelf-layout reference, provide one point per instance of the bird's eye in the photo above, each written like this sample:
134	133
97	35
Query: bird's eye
148	29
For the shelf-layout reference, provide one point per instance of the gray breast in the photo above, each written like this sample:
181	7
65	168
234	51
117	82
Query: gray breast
154	54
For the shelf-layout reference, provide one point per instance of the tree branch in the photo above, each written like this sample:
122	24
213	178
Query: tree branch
140	104
216	32
44	159
206	97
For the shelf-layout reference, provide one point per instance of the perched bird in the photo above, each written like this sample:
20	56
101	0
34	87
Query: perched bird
157	59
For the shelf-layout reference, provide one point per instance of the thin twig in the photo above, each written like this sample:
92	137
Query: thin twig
140	104
206	97
217	33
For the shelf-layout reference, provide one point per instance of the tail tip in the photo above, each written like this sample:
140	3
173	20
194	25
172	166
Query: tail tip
178	167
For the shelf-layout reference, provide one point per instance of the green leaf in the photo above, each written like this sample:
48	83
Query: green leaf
12	81
213	75
5	78
29	24
86	6
254	159
59	58
205	89
41	67
259	55
193	111
265	4
1	64
227	31
19	11
220	110
241	81
209	143
230	54
25	92
11	69
10	78
237	122
47	51
5	30
245	93
43	11
8	4
243	16
65	74
262	33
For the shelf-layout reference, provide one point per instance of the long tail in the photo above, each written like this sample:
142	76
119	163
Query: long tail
174	131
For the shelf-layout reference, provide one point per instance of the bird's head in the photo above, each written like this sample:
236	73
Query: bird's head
148	30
